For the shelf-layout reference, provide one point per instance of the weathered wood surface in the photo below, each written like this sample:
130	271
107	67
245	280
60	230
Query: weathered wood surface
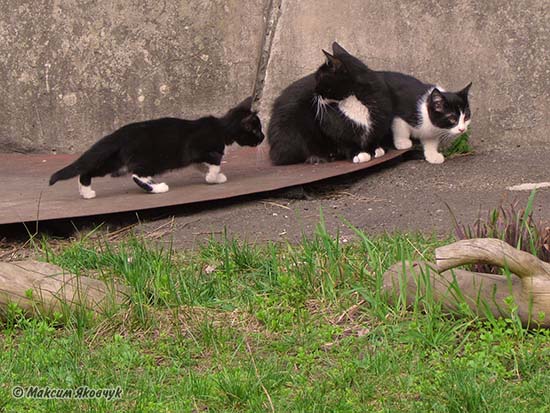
529	283
39	287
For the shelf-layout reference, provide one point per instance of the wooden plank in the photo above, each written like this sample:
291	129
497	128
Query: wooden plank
26	196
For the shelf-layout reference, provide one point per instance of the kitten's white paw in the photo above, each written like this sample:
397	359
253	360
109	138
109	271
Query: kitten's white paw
88	194
403	143
159	188
379	152
221	178
361	157
218	178
435	158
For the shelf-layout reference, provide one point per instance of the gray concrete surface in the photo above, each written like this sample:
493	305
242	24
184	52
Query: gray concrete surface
72	71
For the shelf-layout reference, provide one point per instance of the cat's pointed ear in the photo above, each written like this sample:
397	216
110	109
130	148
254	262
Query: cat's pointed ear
437	100
338	50
332	62
246	103
464	92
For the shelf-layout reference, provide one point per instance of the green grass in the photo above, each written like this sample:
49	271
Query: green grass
459	146
239	327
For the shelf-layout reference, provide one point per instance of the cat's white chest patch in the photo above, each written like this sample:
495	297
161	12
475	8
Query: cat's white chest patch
356	111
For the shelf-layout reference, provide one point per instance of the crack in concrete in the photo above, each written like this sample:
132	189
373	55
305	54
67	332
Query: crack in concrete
272	14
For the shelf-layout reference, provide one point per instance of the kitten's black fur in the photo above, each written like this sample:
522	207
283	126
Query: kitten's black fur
305	128
152	147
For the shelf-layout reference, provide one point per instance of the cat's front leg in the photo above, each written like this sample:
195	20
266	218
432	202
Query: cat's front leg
379	152
362	157
214	175
367	155
431	153
355	153
401	134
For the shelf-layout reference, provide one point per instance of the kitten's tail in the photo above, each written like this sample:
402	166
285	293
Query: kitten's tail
90	159
65	173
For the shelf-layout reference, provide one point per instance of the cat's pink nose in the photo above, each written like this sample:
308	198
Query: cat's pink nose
461	129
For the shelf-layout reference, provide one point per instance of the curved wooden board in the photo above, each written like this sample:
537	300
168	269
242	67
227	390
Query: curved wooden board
26	196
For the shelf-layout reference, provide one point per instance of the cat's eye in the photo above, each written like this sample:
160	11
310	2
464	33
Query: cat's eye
452	118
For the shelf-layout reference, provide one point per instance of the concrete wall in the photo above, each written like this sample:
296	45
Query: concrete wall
71	71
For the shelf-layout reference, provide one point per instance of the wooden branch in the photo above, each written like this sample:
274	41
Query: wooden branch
490	251
528	285
39	287
481	292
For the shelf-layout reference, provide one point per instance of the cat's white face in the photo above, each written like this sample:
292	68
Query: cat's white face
462	124
449	111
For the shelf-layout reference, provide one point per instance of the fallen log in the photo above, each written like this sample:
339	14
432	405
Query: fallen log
525	291
43	288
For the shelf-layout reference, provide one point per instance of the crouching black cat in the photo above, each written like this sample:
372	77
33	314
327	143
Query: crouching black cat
343	110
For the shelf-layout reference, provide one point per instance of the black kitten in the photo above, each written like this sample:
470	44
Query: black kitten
156	146
341	111
426	112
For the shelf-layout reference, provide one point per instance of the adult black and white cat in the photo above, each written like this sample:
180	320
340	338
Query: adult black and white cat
152	147
349	90
426	112
343	110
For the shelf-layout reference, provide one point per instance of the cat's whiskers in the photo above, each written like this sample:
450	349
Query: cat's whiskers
446	137
320	108
261	154
322	105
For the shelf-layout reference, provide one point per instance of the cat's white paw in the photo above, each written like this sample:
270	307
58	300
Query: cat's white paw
221	178
159	188
403	143
86	192
379	152
361	157
213	178
435	158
